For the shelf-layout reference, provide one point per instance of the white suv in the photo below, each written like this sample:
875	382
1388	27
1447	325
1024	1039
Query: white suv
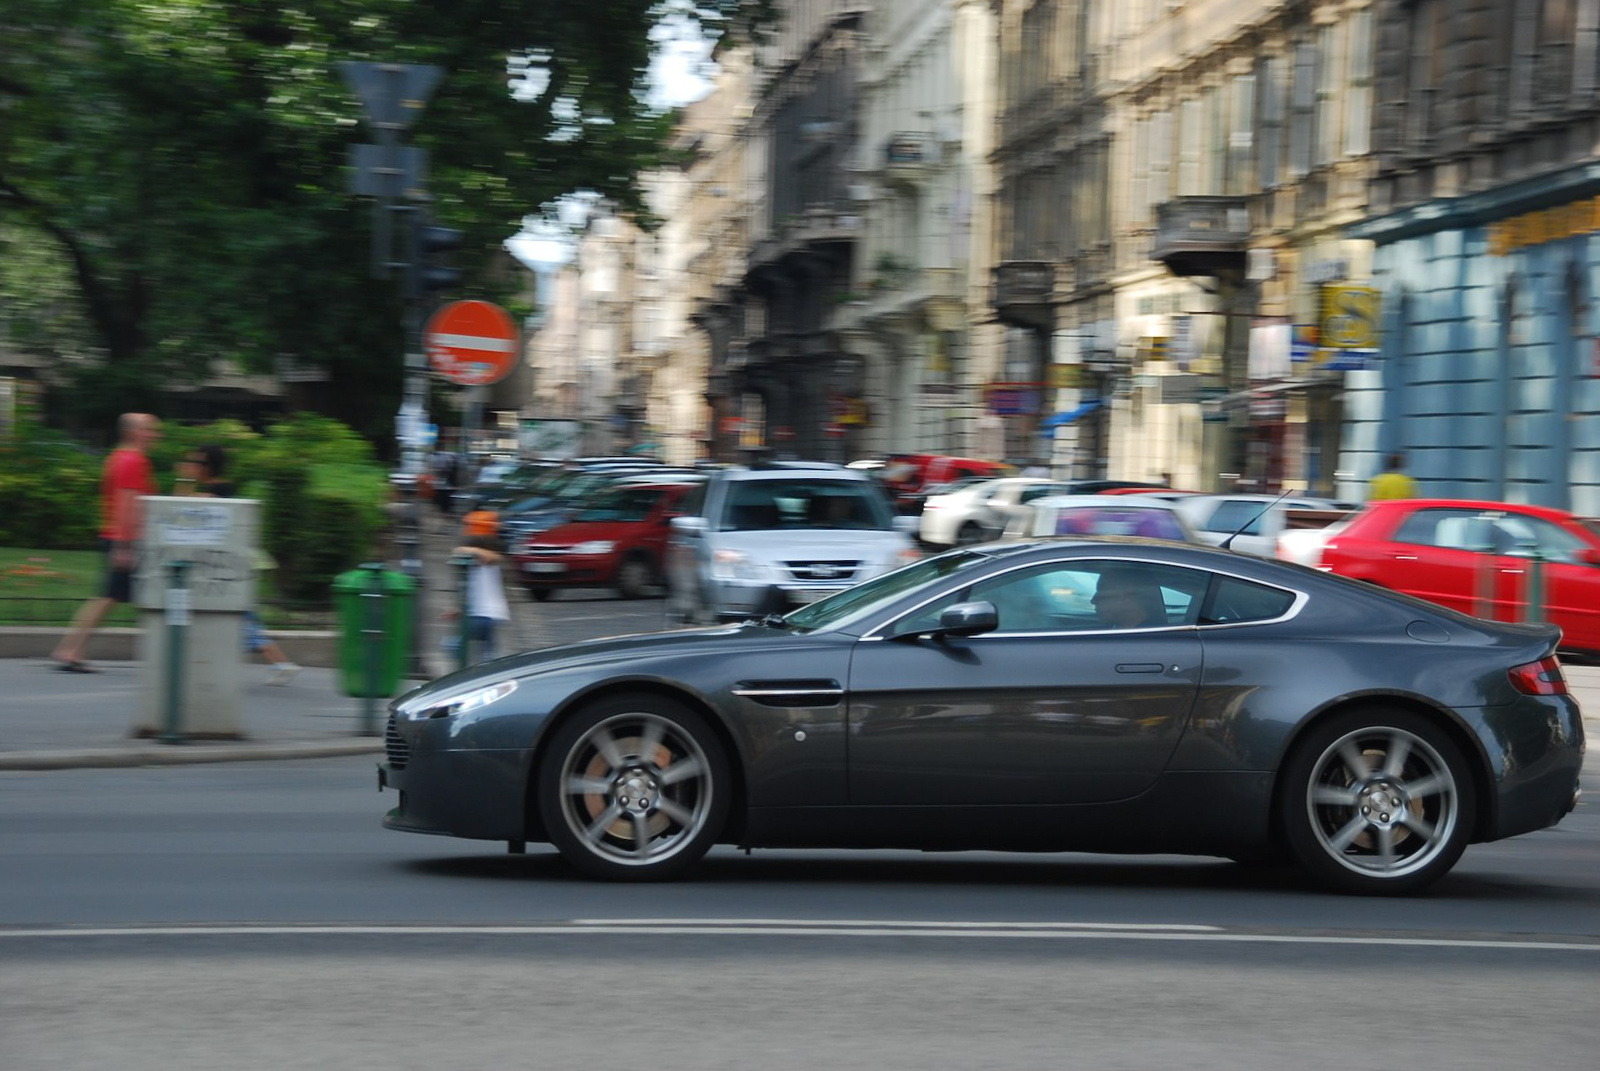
780	535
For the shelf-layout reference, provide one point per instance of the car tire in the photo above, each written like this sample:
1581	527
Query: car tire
1377	801
632	770
970	533
634	575
539	594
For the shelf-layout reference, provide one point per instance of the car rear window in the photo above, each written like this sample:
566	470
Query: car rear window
1119	520
763	505
624	504
1231	516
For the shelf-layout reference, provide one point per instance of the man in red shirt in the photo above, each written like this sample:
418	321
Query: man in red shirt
127	475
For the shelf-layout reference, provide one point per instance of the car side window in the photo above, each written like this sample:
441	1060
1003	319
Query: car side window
1081	596
1230	515
1234	602
1453	529
1527	535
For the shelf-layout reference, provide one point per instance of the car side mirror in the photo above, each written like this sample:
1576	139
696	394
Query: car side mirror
969	619
691	526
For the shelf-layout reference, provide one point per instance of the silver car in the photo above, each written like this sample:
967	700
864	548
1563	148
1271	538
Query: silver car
773	537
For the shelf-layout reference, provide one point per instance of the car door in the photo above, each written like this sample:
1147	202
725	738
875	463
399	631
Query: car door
1056	706
1543	576
1444	555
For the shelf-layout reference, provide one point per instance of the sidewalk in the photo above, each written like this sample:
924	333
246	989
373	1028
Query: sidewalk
53	720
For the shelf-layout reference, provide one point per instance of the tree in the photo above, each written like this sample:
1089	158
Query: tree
172	172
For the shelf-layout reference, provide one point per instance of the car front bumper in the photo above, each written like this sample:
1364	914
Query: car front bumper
737	599
478	794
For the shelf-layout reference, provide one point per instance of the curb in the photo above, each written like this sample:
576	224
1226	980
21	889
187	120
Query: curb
182	755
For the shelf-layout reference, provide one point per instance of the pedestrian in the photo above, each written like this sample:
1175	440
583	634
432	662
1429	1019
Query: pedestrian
486	607
202	473
444	481
126	476
1392	482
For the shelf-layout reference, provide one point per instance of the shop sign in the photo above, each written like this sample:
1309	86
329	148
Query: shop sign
1013	399
1546	225
1349	317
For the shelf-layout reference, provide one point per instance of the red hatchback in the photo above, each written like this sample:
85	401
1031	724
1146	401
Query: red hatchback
615	542
1490	559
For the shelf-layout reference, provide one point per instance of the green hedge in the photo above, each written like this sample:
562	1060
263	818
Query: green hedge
321	490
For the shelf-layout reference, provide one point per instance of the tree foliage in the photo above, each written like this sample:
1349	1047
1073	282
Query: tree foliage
173	184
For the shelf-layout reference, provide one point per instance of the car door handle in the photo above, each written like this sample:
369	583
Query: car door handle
1512	572
1141	667
1405	557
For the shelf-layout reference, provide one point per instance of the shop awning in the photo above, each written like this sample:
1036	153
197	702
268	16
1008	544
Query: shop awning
1056	420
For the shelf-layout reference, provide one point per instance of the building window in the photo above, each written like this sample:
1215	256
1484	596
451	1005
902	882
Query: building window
1139	210
1358	98
1584	49
1558	31
1427	67
1160	157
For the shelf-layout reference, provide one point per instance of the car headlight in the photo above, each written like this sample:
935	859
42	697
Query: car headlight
905	556
733	565
594	546
461	704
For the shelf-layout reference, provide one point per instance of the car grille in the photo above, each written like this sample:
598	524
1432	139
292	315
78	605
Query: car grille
395	745
546	548
828	571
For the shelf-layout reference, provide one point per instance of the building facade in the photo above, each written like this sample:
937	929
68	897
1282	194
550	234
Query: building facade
1176	177
1485	216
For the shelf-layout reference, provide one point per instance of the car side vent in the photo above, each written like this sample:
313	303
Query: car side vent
791	693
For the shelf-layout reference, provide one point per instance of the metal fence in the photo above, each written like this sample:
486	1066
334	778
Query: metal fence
39	611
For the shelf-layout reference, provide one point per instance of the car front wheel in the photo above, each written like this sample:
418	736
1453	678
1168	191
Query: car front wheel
1377	802
634	788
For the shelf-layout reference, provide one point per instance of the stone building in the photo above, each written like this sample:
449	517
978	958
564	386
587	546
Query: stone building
1176	177
1485	215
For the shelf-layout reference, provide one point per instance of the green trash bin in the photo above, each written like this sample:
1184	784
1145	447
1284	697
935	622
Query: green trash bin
353	595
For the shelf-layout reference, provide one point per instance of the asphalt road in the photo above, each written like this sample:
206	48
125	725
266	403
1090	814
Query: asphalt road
255	915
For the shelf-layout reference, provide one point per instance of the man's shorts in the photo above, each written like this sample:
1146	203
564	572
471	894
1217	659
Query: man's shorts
255	637
119	582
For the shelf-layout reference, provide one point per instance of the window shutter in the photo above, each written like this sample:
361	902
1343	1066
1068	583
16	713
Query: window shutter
1190	139
1241	142
1139	211
1269	120
1330	44
1358	106
1302	109
1584	49
1160	158
1216	165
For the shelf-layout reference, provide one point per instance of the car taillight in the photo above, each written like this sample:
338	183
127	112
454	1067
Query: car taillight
1543	677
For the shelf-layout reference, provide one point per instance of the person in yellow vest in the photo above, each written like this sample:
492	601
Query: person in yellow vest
1392	482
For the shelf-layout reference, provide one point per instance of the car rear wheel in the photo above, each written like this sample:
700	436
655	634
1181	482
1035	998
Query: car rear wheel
633	576
634	788
968	534
539	594
1377	801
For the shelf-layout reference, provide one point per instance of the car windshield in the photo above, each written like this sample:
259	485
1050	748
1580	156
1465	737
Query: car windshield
621	504
1120	520
765	505
852	602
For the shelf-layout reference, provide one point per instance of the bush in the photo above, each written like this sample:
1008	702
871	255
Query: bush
321	491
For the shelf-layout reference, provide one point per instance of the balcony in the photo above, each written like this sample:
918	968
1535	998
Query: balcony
1202	235
1023	290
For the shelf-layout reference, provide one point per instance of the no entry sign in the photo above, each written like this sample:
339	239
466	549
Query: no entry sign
472	343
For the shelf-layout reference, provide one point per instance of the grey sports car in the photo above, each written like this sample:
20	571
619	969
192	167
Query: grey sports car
1116	695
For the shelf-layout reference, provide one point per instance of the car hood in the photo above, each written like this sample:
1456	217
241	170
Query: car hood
592	655
567	535
803	543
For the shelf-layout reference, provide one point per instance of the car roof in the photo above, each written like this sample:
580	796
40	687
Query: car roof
786	470
1548	512
1103	502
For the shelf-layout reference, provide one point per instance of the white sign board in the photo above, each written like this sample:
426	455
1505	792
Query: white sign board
216	536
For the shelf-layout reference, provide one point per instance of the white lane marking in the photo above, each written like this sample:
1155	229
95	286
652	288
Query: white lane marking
881	923
797	931
473	342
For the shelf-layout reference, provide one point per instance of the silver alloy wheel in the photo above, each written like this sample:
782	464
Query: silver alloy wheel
1382	802
633	576
635	789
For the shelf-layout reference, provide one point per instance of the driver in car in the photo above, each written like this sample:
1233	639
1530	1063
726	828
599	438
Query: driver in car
1127	600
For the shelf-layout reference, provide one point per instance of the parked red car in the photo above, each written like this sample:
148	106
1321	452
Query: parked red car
905	476
617	541
1479	558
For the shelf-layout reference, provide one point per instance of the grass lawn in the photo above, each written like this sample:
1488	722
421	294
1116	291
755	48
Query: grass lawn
45	588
